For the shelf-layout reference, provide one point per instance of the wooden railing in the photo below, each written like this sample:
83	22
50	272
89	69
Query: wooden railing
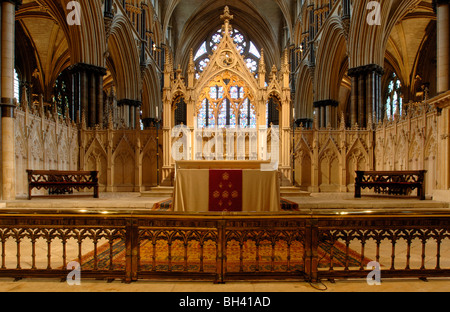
308	245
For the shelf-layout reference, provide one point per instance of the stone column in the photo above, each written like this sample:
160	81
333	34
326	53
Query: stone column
84	95
100	99
354	101
443	85
87	87
370	98
361	101
76	115
324	110
92	107
366	94
130	109
8	9
443	45
108	12
132	117
312	34
346	9
322	117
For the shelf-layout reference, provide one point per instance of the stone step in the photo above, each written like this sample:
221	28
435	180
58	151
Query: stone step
159	191
292	191
168	192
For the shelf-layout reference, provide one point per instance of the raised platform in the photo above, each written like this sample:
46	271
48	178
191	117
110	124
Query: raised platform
158	191
136	201
167	191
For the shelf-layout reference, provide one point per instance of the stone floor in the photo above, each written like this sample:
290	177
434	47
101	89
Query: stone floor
356	285
316	202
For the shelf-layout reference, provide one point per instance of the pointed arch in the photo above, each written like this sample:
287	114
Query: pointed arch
125	60
87	41
304	96
331	53
151	92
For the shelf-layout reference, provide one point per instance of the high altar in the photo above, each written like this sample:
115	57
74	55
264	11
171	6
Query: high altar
242	186
205	148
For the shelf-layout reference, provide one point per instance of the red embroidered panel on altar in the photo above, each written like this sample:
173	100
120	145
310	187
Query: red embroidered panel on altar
225	190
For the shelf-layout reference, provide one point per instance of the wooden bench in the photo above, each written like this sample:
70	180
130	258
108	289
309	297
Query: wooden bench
60	182
391	182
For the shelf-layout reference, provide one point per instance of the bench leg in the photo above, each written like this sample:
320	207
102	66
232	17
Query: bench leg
96	192
357	191
421	192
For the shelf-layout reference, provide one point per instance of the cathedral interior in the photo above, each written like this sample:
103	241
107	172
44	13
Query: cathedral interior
131	89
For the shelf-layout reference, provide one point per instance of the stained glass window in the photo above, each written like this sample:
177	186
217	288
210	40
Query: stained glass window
253	50
243	115
232	96
252	64
201	117
203	63
245	47
210	115
202	51
16	85
394	100
227	113
61	93
252	116
234	92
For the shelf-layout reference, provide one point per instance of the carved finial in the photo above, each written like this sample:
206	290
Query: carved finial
329	126
262	63
226	17
83	120
273	73
191	67
169	61
110	120
315	122
274	70
370	122
285	66
342	126
24	98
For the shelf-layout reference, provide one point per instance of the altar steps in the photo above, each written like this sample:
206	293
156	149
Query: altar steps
159	191
292	191
167	191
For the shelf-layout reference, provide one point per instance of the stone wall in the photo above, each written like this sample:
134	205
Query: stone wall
43	142
410	142
326	159
126	159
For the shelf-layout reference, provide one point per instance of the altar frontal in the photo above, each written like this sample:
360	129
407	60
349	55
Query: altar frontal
202	186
